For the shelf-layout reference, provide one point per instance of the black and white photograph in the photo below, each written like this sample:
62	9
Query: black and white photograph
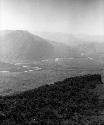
51	62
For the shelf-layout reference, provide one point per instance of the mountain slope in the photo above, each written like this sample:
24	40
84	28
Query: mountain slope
22	45
71	39
19	45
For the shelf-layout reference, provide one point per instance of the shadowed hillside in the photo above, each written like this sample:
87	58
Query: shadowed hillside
73	101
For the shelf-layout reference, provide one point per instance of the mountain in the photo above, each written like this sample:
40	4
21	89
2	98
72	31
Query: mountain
22	45
19	45
71	39
65	38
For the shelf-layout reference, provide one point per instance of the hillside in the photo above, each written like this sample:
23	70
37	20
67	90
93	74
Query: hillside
73	101
86	45
22	45
70	39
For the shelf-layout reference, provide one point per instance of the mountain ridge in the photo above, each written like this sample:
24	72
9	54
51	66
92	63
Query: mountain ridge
20	44
23	45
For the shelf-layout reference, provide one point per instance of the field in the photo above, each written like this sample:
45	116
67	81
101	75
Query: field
32	75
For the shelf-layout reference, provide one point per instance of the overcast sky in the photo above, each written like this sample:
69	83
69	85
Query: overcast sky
69	16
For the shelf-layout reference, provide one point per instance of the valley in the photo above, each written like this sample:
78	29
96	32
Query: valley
51	62
28	61
24	76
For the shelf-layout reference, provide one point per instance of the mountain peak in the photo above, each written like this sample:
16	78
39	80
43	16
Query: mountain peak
23	45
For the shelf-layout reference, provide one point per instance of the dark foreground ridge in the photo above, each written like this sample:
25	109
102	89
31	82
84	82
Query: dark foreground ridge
73	101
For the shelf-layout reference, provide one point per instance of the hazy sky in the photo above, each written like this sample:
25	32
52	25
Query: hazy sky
69	16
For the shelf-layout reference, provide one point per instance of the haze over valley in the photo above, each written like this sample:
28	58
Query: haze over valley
28	60
46	41
52	62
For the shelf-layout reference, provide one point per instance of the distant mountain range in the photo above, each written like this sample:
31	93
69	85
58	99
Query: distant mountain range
87	45
71	39
20	45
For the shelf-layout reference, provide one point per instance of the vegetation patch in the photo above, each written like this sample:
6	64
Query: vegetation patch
72	101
